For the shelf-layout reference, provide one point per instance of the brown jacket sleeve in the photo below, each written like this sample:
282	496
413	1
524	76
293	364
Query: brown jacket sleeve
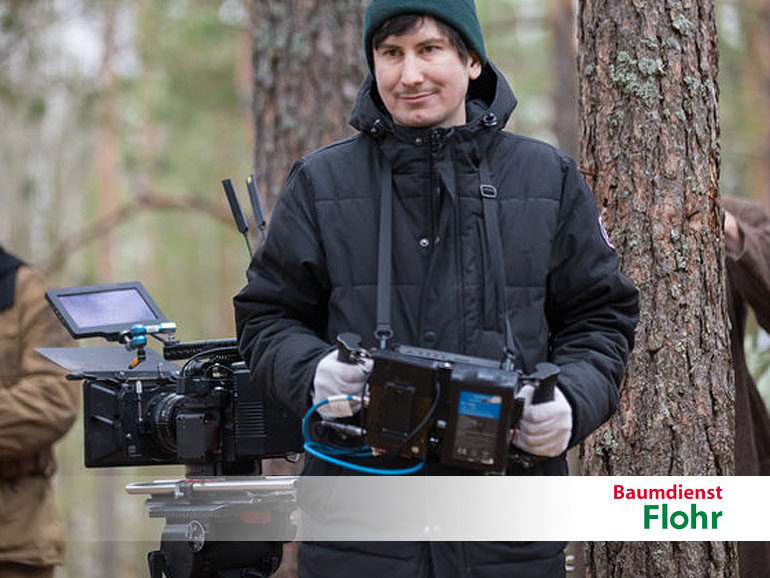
750	270
37	405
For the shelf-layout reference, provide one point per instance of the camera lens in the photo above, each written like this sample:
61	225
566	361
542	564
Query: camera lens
163	420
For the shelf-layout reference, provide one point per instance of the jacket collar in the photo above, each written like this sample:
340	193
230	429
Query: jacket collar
8	267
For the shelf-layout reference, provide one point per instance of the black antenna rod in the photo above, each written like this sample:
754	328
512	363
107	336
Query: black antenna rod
237	211
256	204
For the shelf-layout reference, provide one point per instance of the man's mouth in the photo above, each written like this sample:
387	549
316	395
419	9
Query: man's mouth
416	97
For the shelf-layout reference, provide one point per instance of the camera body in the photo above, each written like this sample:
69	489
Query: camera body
144	409
207	416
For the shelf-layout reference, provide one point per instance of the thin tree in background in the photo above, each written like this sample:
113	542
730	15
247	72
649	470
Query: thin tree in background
561	21
648	97
755	19
108	177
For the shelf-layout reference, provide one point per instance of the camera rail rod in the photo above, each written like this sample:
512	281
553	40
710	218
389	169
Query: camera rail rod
267	484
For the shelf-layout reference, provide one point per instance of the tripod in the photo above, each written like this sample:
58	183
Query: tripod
220	527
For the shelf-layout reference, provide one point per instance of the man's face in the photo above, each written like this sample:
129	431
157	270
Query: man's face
422	79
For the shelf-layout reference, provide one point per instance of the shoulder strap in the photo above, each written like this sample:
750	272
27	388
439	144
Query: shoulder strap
384	332
492	230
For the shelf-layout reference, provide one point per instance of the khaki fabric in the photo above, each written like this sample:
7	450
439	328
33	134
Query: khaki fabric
37	407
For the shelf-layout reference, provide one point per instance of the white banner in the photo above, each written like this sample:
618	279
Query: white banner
534	508
467	508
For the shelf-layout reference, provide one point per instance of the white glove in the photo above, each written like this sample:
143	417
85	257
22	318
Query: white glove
337	378
544	428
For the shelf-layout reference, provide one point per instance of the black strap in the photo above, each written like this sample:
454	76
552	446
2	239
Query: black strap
384	331
494	242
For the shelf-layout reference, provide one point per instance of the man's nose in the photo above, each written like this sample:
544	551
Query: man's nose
411	71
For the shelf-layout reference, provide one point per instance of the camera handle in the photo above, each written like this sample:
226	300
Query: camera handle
349	348
546	376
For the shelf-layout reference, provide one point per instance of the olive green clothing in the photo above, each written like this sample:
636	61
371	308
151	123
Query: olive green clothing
37	407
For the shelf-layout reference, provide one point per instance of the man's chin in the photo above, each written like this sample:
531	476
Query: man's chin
416	121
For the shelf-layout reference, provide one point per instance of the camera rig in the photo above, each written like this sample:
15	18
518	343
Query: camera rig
141	408
427	404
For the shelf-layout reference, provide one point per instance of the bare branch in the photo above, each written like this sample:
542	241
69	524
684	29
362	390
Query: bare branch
145	201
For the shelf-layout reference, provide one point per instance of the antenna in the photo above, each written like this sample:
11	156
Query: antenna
237	211
256	204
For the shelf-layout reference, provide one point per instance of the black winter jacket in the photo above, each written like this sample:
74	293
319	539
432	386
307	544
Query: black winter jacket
316	274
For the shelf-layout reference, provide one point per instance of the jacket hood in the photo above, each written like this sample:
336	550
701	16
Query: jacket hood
489	103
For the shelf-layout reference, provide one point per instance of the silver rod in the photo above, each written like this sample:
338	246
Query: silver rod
266	484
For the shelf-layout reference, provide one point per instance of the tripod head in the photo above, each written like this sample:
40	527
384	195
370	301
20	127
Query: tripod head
220	527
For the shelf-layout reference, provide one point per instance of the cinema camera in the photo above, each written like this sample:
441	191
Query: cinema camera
143	409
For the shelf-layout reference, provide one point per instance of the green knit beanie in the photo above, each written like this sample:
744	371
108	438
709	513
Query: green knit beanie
460	14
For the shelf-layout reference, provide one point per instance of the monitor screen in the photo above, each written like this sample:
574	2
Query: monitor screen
124	306
104	310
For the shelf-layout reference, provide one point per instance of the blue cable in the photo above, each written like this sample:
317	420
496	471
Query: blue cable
314	448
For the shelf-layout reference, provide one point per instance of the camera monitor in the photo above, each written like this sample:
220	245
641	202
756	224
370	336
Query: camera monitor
104	310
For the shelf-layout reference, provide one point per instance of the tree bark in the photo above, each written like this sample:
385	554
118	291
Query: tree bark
649	127
308	65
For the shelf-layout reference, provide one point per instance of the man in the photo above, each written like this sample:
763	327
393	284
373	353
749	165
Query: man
37	407
747	241
430	118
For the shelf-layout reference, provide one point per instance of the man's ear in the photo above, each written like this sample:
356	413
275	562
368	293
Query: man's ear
474	70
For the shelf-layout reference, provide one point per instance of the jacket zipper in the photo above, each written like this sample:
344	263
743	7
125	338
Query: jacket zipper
435	223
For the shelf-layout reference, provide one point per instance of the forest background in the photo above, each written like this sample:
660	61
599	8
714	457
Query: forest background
120	119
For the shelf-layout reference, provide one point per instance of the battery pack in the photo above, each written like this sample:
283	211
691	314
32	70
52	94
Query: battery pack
479	419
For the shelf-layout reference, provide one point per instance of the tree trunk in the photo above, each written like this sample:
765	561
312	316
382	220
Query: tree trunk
308	65
648	97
